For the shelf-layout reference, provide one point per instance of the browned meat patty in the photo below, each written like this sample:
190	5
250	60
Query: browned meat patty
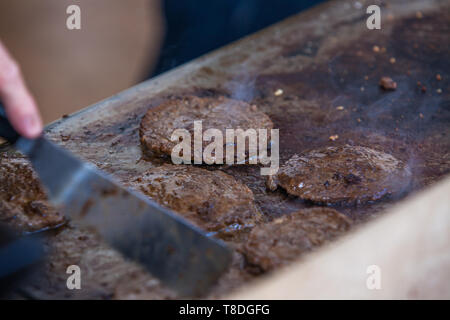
343	174
285	239
23	203
220	113
213	200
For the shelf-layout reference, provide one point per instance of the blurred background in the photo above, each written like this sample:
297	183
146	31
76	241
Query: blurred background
121	43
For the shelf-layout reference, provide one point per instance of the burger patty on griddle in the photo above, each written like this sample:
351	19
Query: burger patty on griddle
345	174
23	202
213	200
285	239
219	113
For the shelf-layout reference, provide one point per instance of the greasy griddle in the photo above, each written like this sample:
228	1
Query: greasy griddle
321	59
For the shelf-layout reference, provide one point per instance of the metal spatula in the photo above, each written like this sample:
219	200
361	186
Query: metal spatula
174	251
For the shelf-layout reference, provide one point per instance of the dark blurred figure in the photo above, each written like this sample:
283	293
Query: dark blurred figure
21	258
196	27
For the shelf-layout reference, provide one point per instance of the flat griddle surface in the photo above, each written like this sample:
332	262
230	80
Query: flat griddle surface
321	59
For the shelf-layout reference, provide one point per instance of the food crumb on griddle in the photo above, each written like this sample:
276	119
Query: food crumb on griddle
334	137
439	90
376	49
271	183
278	92
340	108
421	86
392	60
387	83
438	77
65	138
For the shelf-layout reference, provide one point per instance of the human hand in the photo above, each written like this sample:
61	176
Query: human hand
19	105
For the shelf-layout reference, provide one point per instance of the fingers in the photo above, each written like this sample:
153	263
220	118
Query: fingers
19	104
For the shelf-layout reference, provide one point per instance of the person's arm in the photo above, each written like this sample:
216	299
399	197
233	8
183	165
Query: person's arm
20	106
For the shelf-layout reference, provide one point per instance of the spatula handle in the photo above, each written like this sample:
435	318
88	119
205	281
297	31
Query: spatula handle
6	129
